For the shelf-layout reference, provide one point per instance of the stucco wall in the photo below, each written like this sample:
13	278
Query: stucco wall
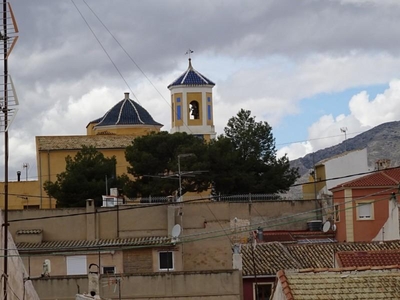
18	285
209	229
224	285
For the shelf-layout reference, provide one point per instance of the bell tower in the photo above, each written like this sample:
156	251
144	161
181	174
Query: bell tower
192	104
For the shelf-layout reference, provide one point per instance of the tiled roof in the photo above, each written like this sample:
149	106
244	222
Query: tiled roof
266	259
75	142
271	257
29	231
192	78
93	244
126	112
387	177
347	283
368	258
322	255
293	236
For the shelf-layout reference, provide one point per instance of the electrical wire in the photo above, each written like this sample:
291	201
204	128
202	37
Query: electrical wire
246	228
197	236
105	51
227	195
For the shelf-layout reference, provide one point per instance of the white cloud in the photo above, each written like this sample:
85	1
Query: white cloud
364	114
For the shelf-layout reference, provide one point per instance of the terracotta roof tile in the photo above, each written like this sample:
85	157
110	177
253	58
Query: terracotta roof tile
29	231
322	255
268	258
368	258
271	257
76	141
93	244
387	177
341	284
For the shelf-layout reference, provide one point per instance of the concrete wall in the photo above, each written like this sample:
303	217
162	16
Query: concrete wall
208	229
224	285
142	221
18	287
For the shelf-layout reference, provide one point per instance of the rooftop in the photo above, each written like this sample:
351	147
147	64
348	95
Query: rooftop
73	142
191	77
269	258
52	246
341	283
368	258
384	178
126	112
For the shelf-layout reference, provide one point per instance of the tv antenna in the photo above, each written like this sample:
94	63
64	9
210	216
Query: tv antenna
26	167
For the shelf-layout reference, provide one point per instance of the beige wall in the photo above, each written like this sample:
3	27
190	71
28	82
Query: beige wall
18	285
144	221
21	193
34	263
223	285
208	228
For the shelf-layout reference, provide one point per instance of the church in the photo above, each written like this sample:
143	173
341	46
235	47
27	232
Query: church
191	112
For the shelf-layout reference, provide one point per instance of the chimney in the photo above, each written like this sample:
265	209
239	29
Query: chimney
19	175
126	96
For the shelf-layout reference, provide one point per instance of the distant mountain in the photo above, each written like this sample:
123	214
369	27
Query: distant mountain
382	142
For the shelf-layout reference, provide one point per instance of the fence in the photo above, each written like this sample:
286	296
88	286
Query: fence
224	198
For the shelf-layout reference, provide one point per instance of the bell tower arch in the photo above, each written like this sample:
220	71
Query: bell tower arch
192	104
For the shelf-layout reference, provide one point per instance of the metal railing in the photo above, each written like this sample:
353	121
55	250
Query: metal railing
243	198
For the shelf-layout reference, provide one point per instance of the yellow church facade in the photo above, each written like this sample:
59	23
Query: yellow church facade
191	110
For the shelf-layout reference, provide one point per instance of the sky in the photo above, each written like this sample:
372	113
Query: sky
307	67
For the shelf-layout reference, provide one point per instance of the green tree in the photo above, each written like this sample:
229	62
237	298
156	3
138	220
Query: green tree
153	162
244	160
84	178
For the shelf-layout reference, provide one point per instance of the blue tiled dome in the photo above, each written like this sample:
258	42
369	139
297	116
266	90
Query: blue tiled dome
126	112
192	78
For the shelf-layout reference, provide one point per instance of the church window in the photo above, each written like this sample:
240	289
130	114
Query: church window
194	110
178	112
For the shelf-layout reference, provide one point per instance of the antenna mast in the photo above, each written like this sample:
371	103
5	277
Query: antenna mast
8	109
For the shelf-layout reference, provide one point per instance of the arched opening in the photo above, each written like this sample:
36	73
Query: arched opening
194	110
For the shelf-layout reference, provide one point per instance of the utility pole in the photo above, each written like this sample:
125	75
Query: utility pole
180	173
5	111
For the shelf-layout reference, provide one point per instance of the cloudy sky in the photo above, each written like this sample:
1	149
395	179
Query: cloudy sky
308	67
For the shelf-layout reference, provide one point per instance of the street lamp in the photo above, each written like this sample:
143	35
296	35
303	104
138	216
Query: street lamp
180	174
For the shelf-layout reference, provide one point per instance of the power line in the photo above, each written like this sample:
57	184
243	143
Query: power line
105	51
206	235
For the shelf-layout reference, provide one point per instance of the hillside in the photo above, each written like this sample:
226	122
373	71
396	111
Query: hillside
382	142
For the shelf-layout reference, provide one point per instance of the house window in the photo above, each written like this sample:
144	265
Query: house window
166	261
31	206
365	211
336	212
108	270
76	265
262	291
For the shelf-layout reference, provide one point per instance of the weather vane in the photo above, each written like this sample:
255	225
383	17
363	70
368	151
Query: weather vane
188	52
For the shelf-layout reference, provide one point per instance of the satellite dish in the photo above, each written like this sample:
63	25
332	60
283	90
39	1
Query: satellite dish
176	231
334	227
326	226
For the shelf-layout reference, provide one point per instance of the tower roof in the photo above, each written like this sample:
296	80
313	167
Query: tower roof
126	112
191	77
